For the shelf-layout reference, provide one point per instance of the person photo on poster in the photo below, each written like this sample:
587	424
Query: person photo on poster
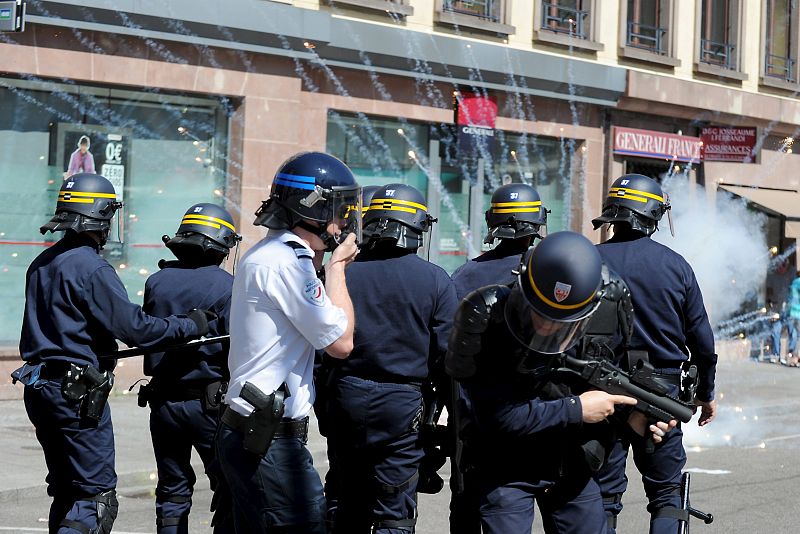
81	160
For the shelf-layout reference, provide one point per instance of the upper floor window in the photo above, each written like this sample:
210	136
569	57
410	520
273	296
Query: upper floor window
780	60
484	16
569	17
719	33
647	25
485	9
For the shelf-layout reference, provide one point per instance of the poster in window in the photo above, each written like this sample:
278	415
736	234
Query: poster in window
95	149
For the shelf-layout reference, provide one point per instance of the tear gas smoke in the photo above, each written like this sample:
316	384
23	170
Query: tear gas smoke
725	244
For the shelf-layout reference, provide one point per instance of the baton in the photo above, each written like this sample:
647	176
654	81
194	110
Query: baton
138	351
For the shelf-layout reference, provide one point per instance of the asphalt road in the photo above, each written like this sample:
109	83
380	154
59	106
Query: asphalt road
745	466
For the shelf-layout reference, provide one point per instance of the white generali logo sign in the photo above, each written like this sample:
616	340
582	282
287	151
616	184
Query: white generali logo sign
650	144
477	130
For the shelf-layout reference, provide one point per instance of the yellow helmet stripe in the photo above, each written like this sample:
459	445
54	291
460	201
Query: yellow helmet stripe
516	210
629	197
626	190
207	218
519	204
79	200
204	223
88	194
379	202
396	208
553	304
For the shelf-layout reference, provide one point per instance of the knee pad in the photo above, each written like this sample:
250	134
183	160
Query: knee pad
107	508
181	523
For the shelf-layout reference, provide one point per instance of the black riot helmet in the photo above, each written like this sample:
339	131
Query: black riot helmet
313	187
516	211
86	203
367	192
206	231
397	213
637	200
558	288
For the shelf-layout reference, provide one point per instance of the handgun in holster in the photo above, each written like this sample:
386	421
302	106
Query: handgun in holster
90	387
689	381
264	420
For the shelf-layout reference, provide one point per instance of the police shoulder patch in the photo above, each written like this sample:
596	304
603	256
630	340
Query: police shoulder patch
299	250
314	292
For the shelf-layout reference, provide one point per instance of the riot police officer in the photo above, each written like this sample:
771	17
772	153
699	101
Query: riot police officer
187	385
536	438
404	307
75	308
670	323
515	217
324	376
280	312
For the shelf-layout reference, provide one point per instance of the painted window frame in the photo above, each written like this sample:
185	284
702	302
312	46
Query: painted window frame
587	42
665	55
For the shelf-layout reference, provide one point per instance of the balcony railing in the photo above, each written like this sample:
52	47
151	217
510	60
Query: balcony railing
780	67
650	38
716	53
485	9
561	19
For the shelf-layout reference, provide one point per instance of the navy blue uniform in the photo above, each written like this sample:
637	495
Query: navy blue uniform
529	442
404	308
184	385
75	307
670	322
492	267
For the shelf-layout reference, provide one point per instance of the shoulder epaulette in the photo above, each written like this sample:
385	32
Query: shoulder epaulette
300	250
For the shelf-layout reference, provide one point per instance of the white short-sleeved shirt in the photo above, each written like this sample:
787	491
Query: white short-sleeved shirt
280	313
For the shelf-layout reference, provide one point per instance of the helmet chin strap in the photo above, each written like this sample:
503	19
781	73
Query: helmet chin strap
329	240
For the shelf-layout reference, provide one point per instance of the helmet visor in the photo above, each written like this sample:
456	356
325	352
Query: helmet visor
345	205
540	333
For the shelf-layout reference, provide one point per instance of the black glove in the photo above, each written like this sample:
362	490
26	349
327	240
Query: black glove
201	319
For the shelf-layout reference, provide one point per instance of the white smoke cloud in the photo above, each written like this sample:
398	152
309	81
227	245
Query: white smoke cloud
725	244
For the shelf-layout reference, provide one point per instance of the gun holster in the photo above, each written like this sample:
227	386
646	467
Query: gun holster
689	381
213	394
90	387
263	422
144	395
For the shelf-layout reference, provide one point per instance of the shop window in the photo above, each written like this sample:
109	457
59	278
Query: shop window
542	162
483	15
567	22
720	30
780	42
164	171
383	150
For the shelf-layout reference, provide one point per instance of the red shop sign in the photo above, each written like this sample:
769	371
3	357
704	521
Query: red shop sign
650	144
729	144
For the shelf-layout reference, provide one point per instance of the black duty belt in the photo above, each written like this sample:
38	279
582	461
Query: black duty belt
54	369
287	428
162	392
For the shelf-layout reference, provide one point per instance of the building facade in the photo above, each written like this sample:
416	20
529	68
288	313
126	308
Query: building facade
190	101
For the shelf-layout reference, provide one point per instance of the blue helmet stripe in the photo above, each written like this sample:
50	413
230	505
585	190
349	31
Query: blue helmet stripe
293	183
296	177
